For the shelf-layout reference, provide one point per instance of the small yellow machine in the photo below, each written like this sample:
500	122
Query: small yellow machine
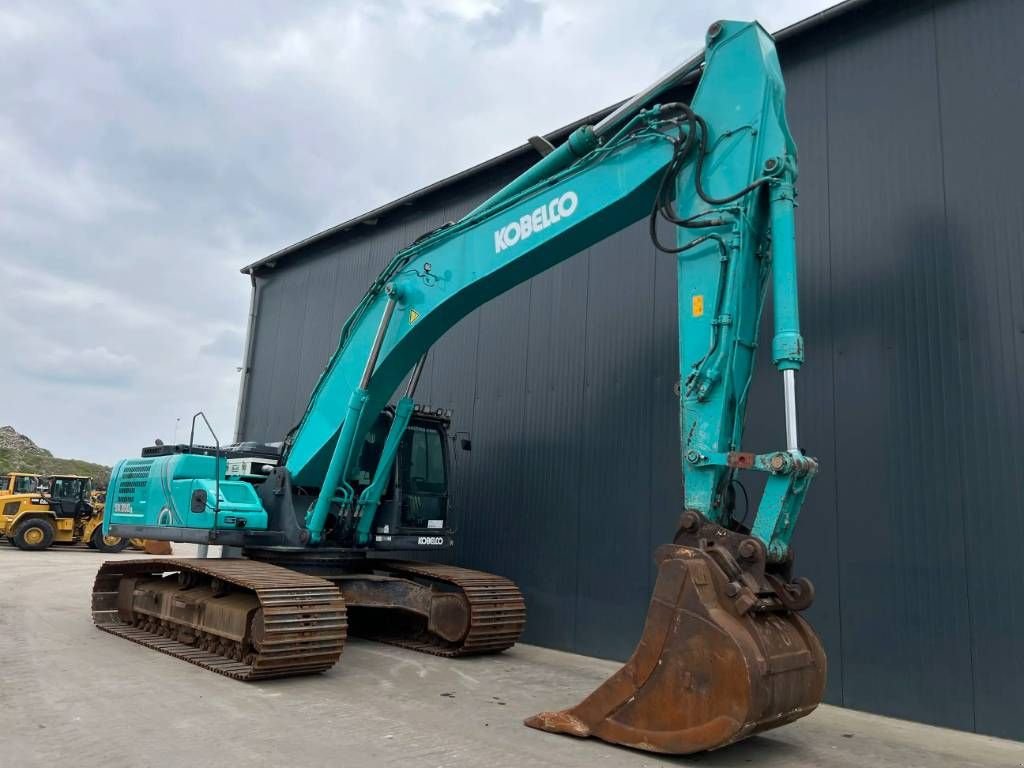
17	483
66	515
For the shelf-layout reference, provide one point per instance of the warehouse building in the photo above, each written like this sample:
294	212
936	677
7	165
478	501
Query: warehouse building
911	234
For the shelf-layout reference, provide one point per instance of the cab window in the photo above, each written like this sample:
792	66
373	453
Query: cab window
422	477
69	488
26	484
422	462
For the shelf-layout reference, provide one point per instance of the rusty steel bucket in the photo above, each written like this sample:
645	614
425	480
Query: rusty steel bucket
723	655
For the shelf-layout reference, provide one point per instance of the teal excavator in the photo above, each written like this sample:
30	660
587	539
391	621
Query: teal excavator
724	651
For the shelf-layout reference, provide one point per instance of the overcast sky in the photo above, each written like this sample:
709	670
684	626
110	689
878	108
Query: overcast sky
149	150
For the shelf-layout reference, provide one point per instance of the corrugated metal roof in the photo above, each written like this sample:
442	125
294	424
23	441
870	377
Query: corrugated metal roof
371	217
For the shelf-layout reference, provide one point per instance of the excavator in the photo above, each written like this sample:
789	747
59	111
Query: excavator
317	520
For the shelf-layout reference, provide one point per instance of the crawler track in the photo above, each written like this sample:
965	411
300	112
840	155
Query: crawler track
304	618
496	607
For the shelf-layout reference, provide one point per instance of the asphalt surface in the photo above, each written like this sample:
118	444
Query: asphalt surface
72	695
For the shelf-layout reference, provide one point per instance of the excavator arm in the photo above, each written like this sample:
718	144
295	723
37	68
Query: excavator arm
721	170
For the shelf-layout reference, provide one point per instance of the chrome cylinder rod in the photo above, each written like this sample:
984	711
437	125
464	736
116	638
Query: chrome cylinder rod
378	342
789	392
414	380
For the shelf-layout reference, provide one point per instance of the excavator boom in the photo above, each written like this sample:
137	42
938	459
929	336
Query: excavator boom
587	189
724	652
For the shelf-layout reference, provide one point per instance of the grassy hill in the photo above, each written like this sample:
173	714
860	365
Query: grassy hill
19	454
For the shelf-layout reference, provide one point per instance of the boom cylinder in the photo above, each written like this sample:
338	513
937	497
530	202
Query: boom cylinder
342	453
369	499
336	469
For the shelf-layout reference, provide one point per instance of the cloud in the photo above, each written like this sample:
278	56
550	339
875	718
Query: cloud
227	343
89	367
149	150
493	24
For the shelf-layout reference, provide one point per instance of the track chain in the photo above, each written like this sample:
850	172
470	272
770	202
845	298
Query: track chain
496	608
304	616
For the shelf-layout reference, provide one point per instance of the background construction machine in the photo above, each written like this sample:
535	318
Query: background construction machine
17	483
724	651
64	514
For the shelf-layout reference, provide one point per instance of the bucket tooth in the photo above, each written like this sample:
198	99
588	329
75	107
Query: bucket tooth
713	666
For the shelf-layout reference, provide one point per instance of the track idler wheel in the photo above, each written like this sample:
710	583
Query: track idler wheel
713	666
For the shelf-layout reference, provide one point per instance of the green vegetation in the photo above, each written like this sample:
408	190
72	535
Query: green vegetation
19	454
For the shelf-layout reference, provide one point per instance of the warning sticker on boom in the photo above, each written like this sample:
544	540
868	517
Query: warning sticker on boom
413	316
698	305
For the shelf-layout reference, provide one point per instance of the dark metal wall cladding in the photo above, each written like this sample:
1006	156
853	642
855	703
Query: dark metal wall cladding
911	231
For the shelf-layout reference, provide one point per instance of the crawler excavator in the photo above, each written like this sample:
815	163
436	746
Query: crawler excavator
724	652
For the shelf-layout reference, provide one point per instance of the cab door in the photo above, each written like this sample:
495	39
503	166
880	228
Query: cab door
66	497
422	474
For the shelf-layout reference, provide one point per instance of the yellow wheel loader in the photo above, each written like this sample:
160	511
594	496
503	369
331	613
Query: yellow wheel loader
65	515
17	483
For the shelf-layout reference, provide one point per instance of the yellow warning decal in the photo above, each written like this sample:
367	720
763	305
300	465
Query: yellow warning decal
413	316
698	305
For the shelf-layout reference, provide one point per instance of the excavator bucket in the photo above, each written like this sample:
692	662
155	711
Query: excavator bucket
721	657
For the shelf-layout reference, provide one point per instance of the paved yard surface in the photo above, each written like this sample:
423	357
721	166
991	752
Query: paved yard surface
71	695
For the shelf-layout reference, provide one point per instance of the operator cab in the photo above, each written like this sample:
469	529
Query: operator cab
413	512
70	495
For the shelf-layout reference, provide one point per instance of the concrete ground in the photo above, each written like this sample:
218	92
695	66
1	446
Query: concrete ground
70	694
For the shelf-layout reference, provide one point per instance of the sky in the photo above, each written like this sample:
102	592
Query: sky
150	150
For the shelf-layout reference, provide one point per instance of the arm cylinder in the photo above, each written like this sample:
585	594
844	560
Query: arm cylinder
378	342
414	379
629	108
580	142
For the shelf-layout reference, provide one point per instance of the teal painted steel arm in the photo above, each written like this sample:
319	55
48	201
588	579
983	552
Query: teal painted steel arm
723	280
439	280
442	278
724	173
